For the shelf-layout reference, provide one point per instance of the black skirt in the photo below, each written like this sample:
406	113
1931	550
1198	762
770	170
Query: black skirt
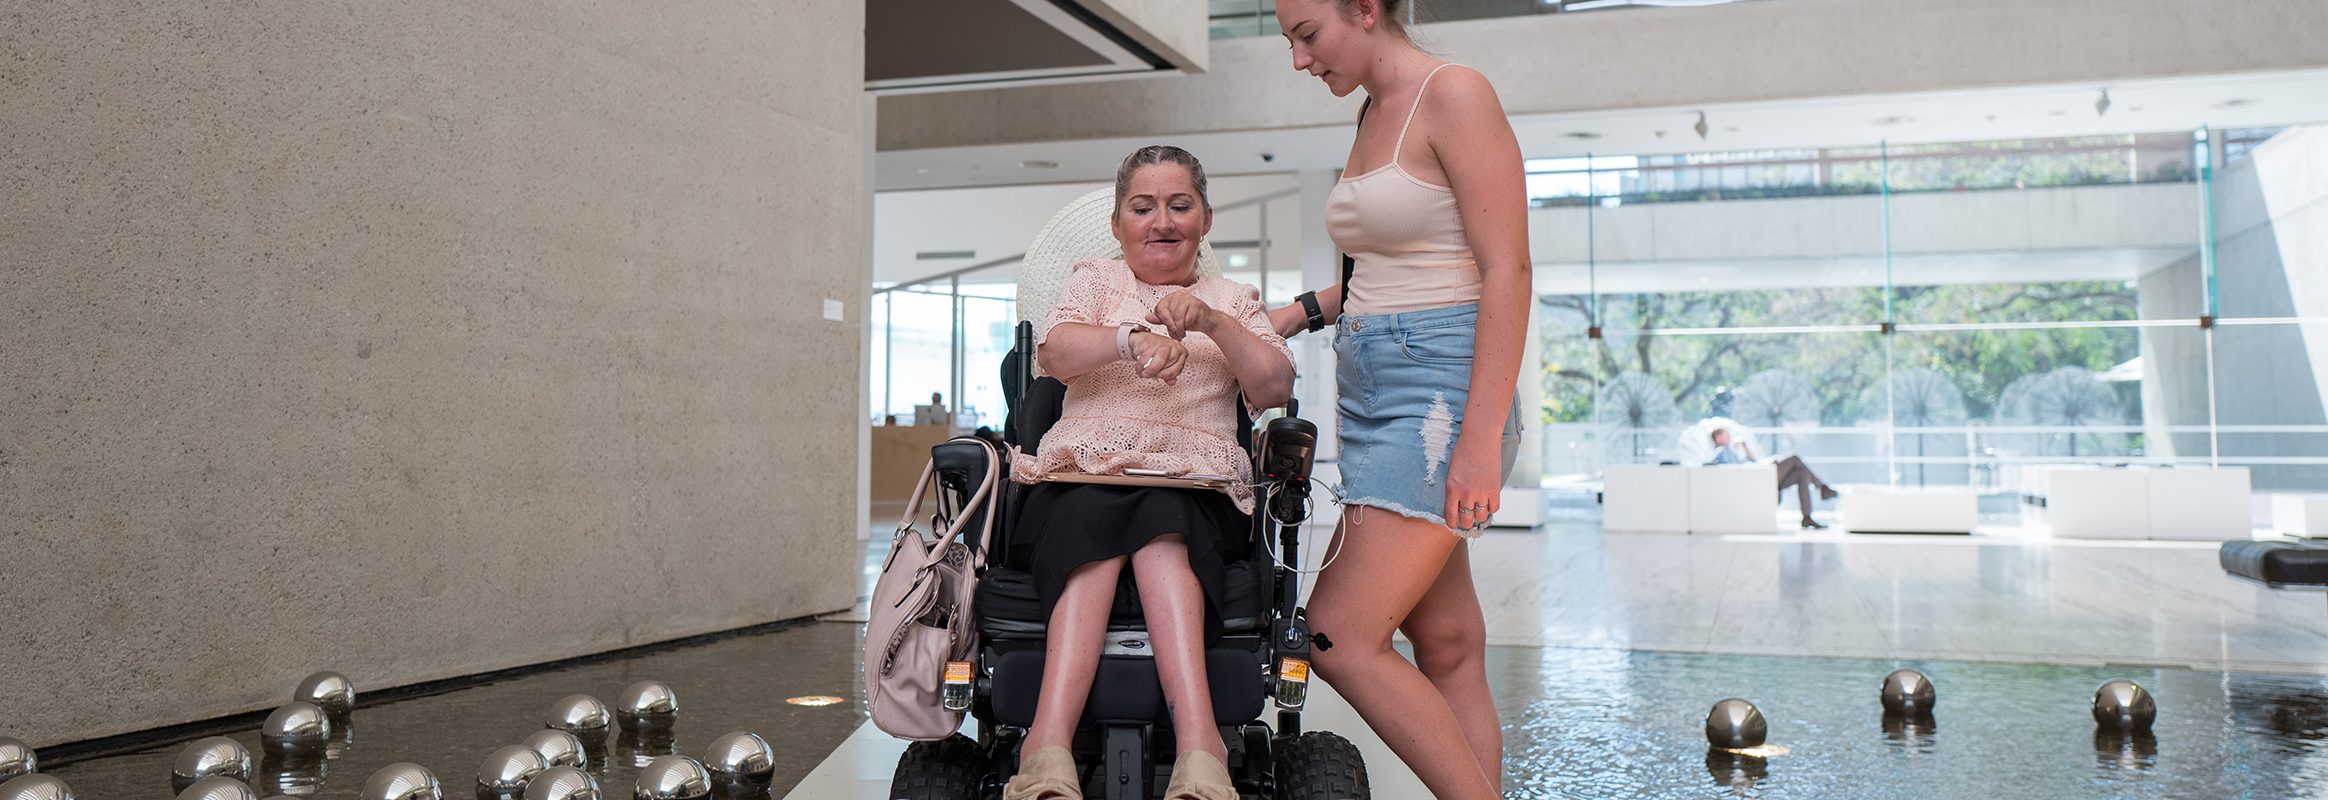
1068	525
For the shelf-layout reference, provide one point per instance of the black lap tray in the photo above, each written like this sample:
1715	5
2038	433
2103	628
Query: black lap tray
2278	564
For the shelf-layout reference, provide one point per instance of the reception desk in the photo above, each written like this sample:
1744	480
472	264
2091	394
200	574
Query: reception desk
899	453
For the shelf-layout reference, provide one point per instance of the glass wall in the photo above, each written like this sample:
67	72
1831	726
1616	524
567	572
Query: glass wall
1946	314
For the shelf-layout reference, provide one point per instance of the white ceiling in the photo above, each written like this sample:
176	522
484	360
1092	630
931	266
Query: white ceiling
2226	101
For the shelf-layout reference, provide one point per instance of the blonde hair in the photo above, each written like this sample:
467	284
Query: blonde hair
1159	154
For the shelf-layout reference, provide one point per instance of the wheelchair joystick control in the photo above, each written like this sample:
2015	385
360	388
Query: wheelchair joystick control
1319	641
1287	448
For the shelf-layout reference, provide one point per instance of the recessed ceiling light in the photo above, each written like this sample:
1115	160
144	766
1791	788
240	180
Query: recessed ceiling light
2057	113
2237	102
1886	122
1582	135
1036	163
921	170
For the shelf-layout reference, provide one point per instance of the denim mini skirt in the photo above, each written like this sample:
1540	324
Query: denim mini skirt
1403	380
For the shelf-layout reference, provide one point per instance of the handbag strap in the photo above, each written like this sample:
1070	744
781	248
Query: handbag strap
961	518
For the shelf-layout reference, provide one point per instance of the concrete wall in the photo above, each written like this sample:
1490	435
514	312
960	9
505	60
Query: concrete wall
1175	29
414	340
2271	260
1653	58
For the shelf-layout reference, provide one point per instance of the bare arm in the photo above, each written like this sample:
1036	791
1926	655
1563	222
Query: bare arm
1075	349
1264	373
1292	319
1474	143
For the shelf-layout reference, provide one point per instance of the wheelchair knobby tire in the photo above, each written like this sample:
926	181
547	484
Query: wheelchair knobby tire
1320	766
953	768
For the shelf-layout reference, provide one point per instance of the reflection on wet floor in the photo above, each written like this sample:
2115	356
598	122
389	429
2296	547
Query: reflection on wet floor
1579	723
731	684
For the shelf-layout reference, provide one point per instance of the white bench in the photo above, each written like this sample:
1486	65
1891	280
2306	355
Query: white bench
1644	497
2300	514
1900	509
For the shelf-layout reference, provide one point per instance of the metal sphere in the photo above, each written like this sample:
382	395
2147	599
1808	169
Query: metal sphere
296	726
581	715
1907	693
1735	724
215	756
16	758
216	788
558	748
673	778
740	754
646	704
562	783
2123	705
506	771
401	781
329	691
35	787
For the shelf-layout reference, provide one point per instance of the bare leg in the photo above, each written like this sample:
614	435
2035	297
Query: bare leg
1388	562
1071	652
1449	633
1173	604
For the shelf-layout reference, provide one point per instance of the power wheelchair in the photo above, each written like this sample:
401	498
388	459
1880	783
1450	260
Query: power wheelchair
1124	745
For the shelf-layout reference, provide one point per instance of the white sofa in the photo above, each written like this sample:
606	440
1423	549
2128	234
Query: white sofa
2097	503
1653	498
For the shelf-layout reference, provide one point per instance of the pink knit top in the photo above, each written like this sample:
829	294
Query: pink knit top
1115	420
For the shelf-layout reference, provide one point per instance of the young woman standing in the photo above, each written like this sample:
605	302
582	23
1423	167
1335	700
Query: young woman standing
1430	325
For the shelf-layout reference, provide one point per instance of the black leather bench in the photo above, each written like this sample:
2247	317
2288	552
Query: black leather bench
2278	563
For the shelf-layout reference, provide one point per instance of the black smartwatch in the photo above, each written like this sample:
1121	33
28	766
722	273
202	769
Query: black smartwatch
1309	304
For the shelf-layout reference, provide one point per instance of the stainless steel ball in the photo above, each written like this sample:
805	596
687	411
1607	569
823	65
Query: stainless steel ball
2123	705
17	758
672	778
35	787
558	748
296	726
329	691
217	788
1735	724
215	756
401	781
1907	693
646	705
506	771
581	715
742	754
562	783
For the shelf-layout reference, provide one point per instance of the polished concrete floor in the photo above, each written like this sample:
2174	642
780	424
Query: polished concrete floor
1606	649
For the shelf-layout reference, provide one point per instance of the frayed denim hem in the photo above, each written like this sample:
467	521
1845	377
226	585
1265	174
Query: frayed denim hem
1409	513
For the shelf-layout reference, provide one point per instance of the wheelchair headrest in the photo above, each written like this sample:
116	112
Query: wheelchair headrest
1079	231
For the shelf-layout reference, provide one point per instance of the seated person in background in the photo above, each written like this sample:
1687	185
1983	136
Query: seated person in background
1791	472
1154	357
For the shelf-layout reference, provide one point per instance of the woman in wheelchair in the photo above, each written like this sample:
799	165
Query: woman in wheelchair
1153	356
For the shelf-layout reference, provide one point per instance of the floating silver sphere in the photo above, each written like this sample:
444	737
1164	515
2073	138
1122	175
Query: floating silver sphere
742	754
296	726
215	756
2122	705
35	787
329	691
562	783
1735	724
558	748
673	778
17	759
217	788
506	771
1907	693
401	781
581	715
646	705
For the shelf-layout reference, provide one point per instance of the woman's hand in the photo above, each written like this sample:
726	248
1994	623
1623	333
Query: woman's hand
1158	356
1474	480
1181	312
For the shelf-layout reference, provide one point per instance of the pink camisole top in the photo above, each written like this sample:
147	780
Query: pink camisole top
1406	236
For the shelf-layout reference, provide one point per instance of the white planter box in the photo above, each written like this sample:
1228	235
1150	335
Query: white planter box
2300	514
2092	503
1733	499
2200	504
